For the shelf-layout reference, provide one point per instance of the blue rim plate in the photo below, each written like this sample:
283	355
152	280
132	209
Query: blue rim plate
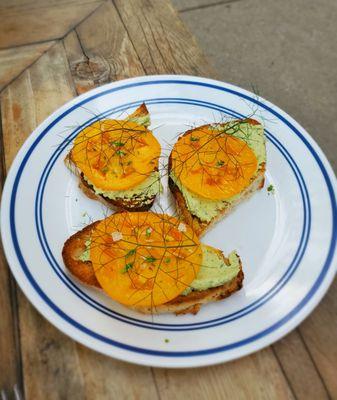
287	239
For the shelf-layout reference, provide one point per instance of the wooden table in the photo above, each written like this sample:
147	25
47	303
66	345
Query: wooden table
50	52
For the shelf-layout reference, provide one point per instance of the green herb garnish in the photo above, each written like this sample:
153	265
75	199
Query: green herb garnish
120	152
118	144
127	267
220	163
130	253
148	232
270	189
150	259
167	340
167	260
194	139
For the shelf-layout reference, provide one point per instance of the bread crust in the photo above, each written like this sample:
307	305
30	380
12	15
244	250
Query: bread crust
72	250
191	303
201	227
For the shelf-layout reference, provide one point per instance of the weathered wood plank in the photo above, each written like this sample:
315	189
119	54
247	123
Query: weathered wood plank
105	378
14	61
97	56
10	356
319	332
50	361
10	365
108	47
161	40
19	26
254	377
49	358
53	363
33	4
299	368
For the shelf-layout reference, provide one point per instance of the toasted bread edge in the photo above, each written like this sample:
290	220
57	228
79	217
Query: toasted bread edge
201	227
190	303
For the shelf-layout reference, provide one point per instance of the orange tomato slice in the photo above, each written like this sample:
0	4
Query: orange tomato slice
116	155
213	164
144	259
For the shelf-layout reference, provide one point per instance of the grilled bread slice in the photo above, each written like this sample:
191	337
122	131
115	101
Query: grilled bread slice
137	198
76	256
199	209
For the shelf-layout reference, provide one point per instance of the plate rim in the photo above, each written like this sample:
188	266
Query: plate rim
310	305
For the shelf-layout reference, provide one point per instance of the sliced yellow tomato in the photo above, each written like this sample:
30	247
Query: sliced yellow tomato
212	163
116	155
144	259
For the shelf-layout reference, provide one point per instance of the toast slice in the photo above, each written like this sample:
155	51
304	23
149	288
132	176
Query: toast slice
78	263
140	199
187	203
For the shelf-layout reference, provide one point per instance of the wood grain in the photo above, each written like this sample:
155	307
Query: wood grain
110	43
97	56
161	40
319	332
299	368
106	378
10	356
253	377
7	5
19	26
14	61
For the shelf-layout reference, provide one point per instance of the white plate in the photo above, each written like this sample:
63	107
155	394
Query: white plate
287	240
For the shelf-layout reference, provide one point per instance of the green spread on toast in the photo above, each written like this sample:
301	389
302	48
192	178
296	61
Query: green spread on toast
144	191
206	209
144	120
213	272
85	256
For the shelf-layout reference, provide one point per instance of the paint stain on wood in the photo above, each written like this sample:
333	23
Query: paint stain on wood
16	111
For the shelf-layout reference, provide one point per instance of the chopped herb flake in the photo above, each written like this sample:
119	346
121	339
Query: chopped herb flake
130	253
167	260
167	340
120	152
148	232
270	189
194	139
220	163
118	144
127	267
150	259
